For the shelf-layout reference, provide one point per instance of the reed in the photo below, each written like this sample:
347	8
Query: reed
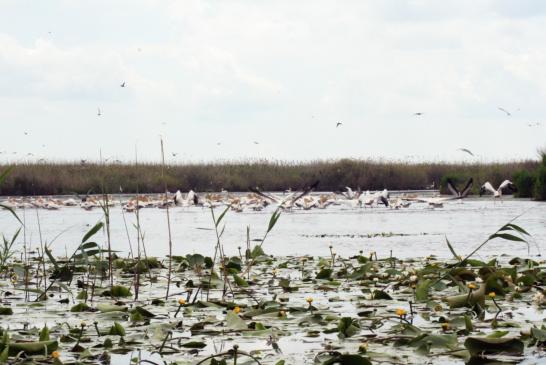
68	178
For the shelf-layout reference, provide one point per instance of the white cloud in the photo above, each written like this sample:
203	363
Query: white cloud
280	72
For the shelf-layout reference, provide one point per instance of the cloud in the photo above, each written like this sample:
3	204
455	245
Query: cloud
280	72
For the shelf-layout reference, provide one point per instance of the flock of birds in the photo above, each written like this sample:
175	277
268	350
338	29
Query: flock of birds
257	200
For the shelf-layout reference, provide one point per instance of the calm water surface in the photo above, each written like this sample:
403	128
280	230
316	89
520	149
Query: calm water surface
412	232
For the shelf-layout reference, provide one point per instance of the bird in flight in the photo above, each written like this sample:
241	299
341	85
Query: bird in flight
218	143
99	112
338	124
534	124
174	154
467	151
26	133
123	84
504	110
418	114
256	142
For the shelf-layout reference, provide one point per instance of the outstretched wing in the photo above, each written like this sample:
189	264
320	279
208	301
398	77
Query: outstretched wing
487	187
467	151
452	188
306	191
507	184
466	189
260	193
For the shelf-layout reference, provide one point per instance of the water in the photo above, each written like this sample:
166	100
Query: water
412	232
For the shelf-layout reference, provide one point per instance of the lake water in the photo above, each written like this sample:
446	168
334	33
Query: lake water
411	232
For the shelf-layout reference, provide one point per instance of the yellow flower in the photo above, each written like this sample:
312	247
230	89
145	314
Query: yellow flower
445	326
309	300
55	354
471	286
401	312
181	301
83	324
236	310
282	314
492	295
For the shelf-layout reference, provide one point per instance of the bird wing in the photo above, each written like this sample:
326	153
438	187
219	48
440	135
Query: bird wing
467	151
467	188
505	184
306	191
452	188
487	186
267	196
504	110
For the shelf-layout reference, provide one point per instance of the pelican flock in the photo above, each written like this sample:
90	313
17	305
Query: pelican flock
257	200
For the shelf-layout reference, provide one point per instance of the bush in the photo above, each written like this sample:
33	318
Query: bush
540	184
525	182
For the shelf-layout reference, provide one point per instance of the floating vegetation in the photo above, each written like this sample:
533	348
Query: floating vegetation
369	235
257	309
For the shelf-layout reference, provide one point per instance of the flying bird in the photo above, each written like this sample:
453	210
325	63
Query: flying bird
506	185
26	133
338	124
459	194
466	150
174	154
256	142
123	84
504	110
418	114
99	112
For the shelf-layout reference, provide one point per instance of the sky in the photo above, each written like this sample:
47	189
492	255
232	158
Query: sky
239	80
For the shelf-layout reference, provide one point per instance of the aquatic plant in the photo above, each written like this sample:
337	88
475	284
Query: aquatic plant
74	177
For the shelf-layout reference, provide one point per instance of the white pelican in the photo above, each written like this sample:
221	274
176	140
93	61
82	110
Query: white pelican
506	185
459	194
438	202
288	201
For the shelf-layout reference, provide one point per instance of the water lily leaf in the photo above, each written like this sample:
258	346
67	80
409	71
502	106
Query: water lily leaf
80	307
497	334
31	348
234	322
348	360
106	308
194	345
538	334
143	312
441	341
483	345
6	311
324	274
380	294
240	281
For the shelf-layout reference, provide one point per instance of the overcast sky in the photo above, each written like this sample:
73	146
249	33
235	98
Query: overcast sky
214	77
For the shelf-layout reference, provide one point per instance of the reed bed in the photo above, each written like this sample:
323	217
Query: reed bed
51	178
